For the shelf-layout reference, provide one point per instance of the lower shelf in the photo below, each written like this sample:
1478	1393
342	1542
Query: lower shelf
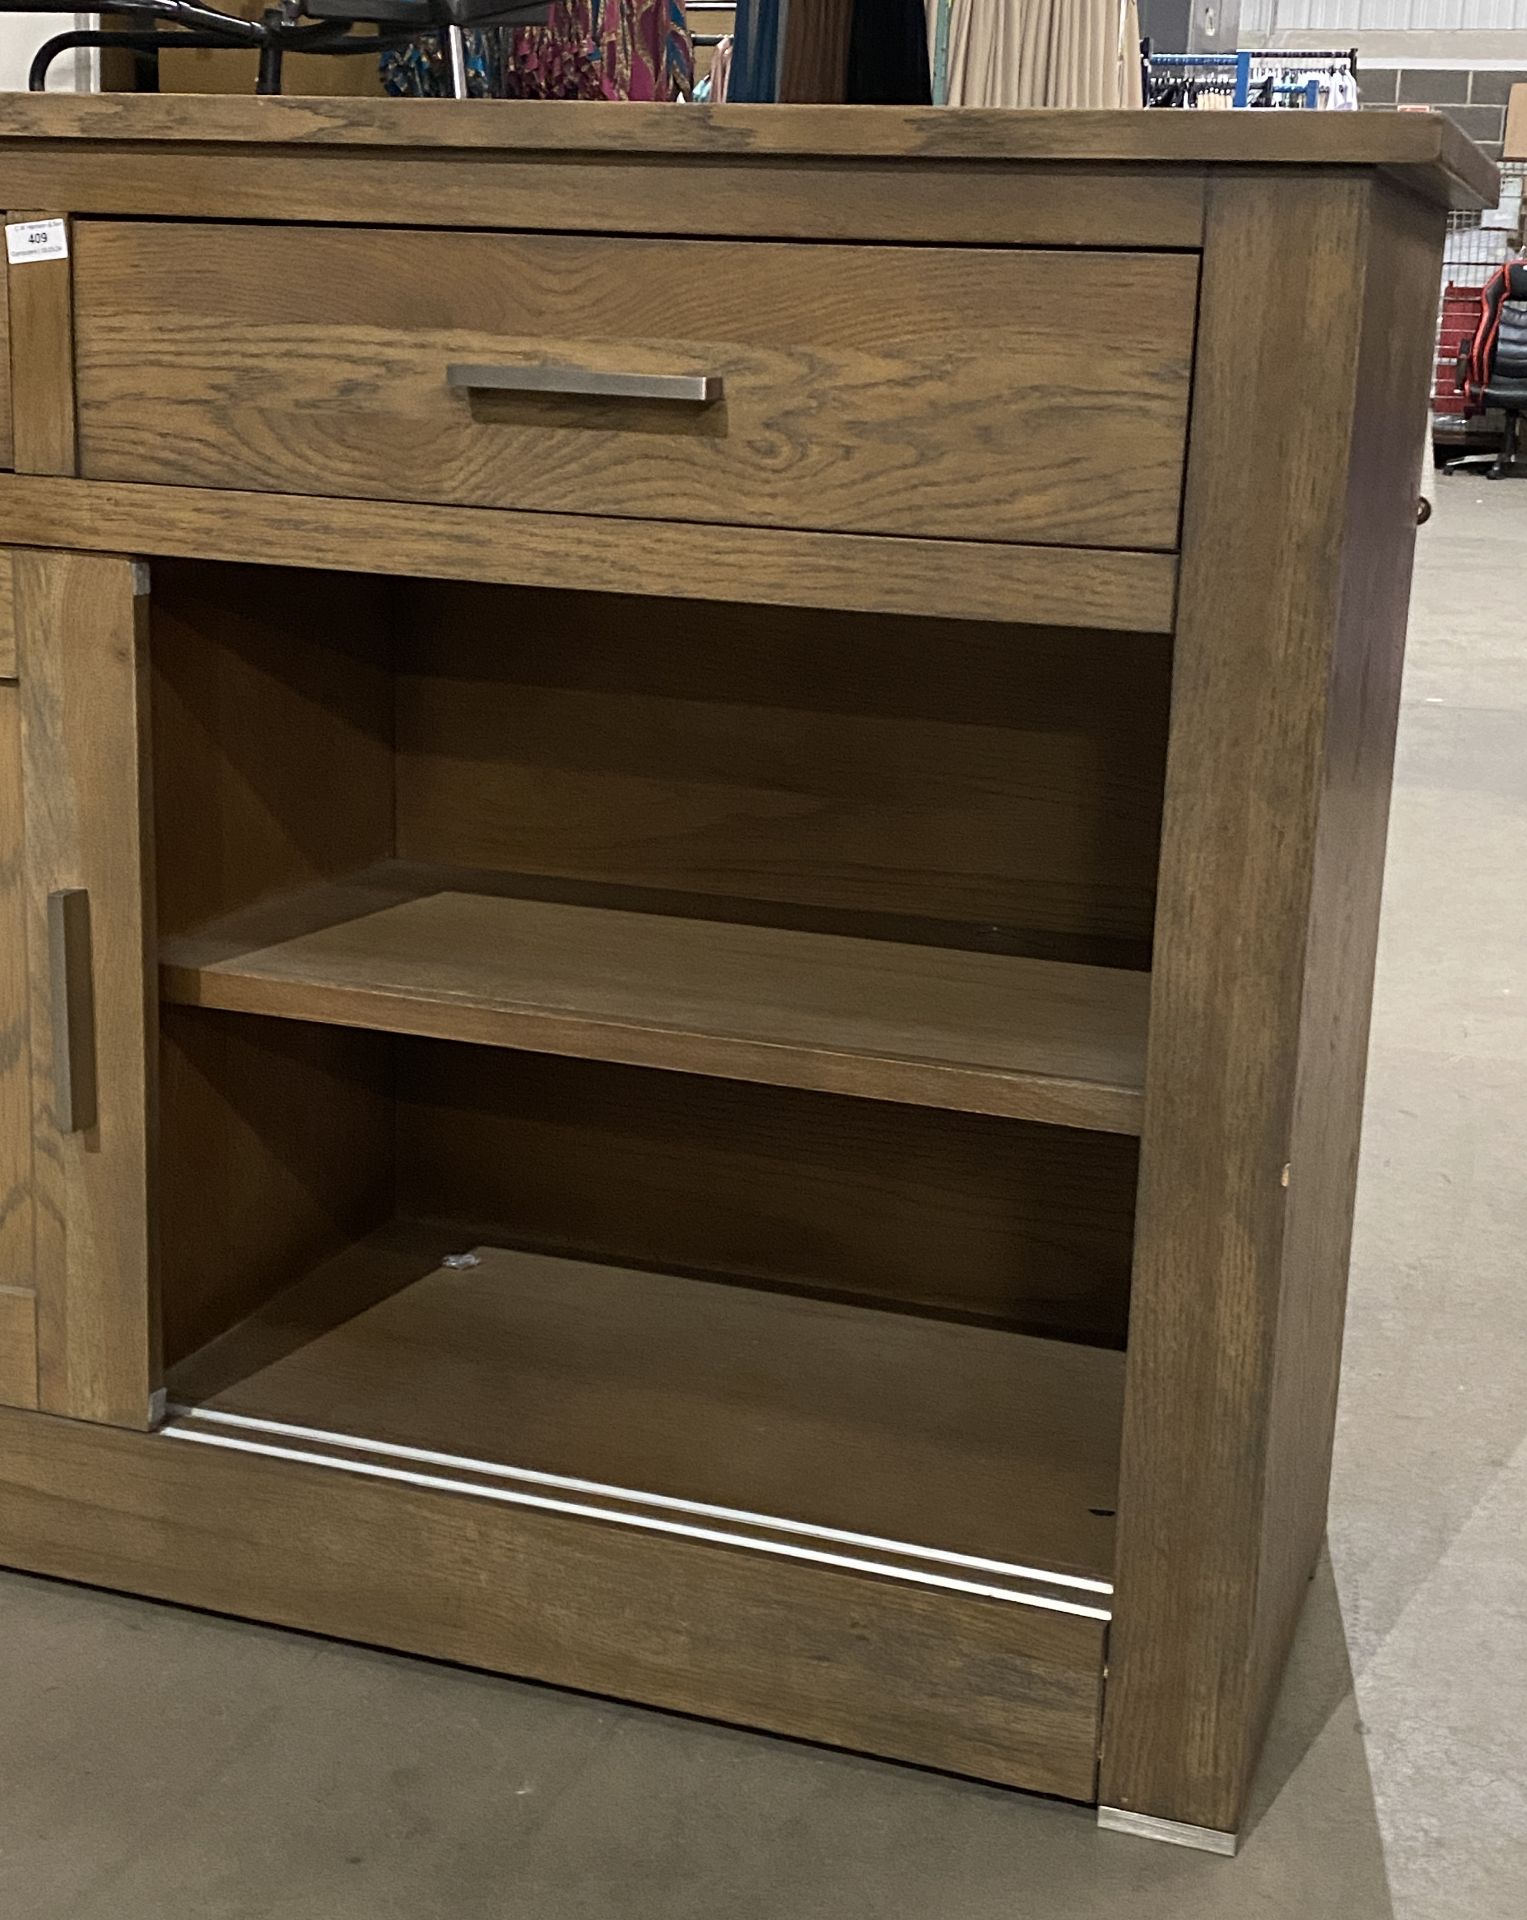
959	1459
833	1521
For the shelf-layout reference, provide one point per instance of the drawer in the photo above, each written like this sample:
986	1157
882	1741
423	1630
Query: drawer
977	393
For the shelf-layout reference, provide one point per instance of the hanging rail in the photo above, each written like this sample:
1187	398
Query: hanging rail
1241	62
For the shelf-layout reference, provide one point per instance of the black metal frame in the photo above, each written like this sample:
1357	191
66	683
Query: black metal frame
291	26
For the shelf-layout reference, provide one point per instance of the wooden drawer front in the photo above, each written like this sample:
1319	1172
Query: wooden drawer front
1013	395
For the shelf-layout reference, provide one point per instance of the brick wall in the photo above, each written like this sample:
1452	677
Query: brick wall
1475	98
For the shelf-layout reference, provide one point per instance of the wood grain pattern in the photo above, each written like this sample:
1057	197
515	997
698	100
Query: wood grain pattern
952	202
1023	1226
41	319
83	638
926	392
982	786
1005	1224
250	1190
18	1347
984	1033
1002	1692
18	1317
268	687
7	435
968	1439
955	579
1442	163
310	1297
7	614
1362	699
1264	955
997	786
1297	530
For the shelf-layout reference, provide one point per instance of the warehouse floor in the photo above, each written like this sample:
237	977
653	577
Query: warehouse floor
157	1763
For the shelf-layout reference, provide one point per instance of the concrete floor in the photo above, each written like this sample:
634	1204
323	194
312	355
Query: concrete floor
156	1763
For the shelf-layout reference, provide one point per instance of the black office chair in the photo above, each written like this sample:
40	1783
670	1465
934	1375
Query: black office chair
292	26
1492	367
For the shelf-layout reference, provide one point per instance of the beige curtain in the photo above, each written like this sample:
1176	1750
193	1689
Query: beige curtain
1044	53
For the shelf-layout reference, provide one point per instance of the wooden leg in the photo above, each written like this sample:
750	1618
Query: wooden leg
1285	696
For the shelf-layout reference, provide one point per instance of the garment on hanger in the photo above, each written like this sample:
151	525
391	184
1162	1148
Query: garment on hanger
602	50
940	13
1044	53
1131	68
814	57
711	90
888	54
756	52
588	50
1266	81
719	78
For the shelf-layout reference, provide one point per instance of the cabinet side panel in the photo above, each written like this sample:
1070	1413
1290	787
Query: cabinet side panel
275	1151
272	720
18	1317
82	632
1258	631
1362	710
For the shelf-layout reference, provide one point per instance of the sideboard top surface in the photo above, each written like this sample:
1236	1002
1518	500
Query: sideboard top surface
1432	155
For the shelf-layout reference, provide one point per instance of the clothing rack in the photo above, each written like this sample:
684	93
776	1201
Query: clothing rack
709	6
600	50
1233	71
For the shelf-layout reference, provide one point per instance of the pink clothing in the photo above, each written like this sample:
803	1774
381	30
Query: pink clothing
602	50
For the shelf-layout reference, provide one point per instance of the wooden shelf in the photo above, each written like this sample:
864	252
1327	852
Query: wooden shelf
418	951
764	1419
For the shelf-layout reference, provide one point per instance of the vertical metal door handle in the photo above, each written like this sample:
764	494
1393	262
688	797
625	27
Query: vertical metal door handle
72	993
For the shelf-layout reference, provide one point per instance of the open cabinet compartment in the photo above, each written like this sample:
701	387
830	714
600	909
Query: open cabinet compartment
673	1064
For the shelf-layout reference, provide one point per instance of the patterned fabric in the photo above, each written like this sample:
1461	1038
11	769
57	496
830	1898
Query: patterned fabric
590	50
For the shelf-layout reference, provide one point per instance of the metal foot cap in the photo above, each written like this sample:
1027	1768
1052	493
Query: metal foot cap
1176	1833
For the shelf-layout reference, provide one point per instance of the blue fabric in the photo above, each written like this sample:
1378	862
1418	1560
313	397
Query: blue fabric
756	51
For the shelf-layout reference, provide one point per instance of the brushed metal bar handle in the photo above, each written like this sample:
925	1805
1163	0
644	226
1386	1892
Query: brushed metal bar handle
72	995
689	389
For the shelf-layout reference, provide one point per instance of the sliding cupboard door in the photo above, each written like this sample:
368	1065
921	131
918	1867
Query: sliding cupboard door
18	1298
81	644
